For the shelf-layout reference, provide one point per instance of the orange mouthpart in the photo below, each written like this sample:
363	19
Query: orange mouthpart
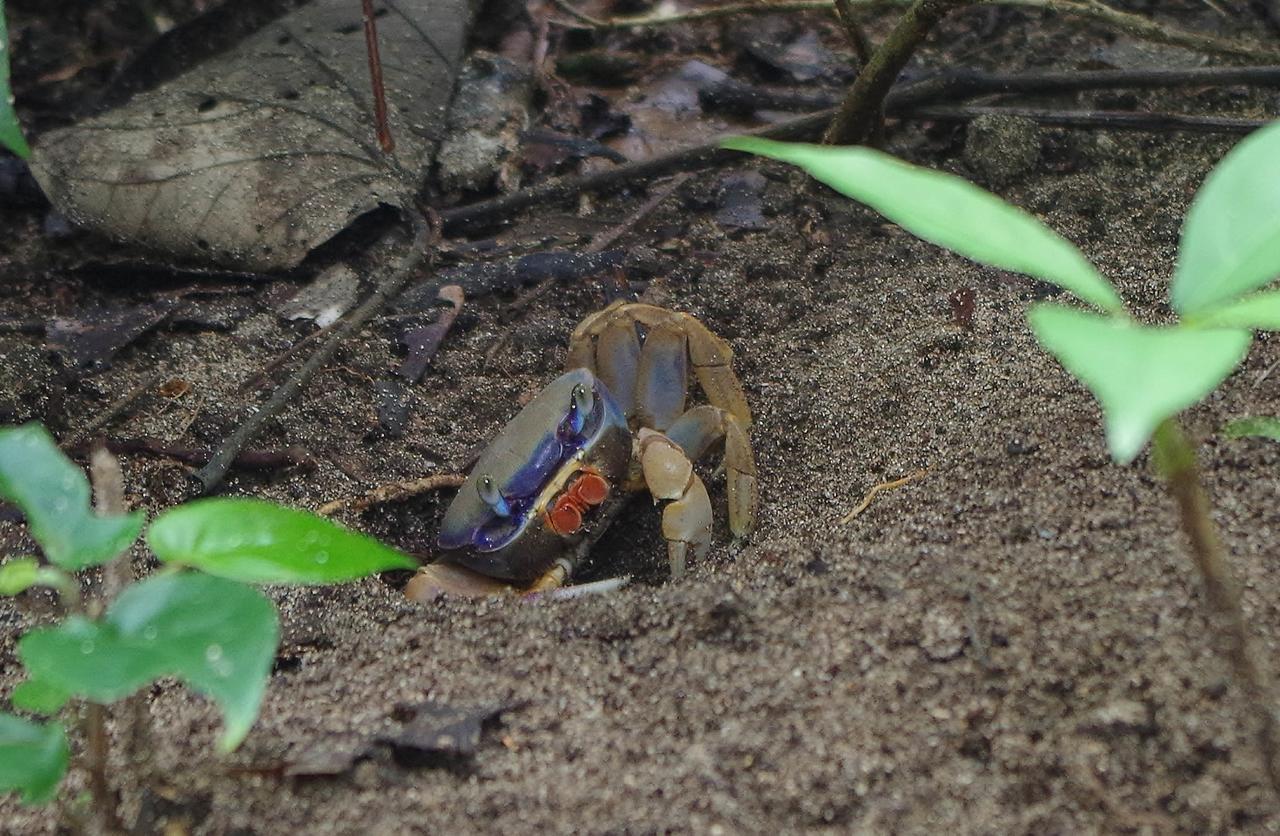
565	515
591	489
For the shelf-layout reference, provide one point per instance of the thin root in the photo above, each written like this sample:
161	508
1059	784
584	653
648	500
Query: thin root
393	492
883	486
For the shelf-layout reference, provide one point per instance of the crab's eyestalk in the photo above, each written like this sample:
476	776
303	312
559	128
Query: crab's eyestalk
492	497
581	401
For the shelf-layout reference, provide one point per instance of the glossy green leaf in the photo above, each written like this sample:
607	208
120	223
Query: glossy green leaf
218	636
10	131
1261	312
948	211
259	542
39	697
33	758
54	495
1231	235
1140	375
1259	427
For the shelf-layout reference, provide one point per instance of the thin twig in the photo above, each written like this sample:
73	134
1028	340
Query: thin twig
211	475
393	492
1108	119
876	490
1132	24
385	140
859	112
899	103
598	244
198	457
853	31
113	411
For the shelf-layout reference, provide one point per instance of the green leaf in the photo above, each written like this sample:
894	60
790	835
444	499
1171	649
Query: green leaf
1259	427
54	495
1231	235
1261	311
10	131
39	697
218	636
19	574
259	542
33	758
948	211
1140	375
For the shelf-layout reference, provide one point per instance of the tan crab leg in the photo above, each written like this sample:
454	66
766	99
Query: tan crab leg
618	361
697	430
711	356
446	578
686	519
663	377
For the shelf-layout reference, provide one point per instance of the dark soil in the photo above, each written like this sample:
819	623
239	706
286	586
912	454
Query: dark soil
1017	642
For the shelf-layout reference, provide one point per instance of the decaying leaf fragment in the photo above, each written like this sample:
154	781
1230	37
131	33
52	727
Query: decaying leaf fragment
256	157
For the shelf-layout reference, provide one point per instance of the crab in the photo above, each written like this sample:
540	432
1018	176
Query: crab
615	424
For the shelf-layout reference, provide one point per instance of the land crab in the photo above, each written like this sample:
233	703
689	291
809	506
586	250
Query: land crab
613	425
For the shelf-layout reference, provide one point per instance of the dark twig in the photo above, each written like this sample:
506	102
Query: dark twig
856	118
898	103
385	139
1108	119
853	30
114	410
196	457
598	244
1133	24
211	475
698	156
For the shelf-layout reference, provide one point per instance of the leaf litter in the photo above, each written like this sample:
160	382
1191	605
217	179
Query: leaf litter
257	156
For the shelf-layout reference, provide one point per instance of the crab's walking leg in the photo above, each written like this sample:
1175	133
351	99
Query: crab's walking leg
686	519
446	578
701	427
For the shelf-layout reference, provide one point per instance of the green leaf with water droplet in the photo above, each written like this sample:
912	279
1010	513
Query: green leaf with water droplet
946	210
10	130
1140	375
33	758
216	635
54	495
259	542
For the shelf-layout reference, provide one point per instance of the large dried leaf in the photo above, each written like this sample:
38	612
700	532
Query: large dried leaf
256	157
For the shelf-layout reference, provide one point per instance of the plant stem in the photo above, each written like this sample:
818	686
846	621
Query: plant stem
858	114
383	130
96	752
1176	458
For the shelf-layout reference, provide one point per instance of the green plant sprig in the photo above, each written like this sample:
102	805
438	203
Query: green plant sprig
10	130
199	620
1142	376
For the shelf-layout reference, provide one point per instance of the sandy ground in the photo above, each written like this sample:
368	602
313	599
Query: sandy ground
1015	643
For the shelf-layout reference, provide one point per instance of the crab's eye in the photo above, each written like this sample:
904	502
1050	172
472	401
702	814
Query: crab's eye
581	401
492	497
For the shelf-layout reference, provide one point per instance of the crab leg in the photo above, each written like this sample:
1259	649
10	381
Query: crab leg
618	361
662	378
696	431
686	519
